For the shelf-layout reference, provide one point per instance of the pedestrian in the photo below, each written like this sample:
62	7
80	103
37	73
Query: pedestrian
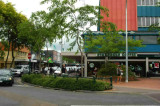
118	73
63	69
121	74
95	71
51	71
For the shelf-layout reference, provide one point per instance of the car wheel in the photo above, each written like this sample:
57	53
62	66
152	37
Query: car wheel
21	74
10	84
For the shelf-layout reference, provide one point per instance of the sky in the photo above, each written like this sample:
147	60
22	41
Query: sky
26	7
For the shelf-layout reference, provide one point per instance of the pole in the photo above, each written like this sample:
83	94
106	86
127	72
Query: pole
61	54
126	47
29	66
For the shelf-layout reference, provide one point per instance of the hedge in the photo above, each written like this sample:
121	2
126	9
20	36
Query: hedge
66	83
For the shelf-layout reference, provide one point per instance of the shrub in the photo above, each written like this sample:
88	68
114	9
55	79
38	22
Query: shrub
130	73
67	83
110	69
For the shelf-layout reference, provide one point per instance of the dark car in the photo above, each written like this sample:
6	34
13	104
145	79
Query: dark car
6	77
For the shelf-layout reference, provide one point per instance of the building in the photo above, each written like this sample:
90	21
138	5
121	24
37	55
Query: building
21	57
53	55
141	14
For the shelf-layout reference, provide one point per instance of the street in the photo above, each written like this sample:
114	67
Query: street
25	95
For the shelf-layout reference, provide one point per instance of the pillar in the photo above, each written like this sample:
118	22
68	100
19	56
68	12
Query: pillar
147	65
85	66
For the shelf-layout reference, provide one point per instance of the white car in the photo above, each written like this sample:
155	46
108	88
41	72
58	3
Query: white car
58	71
20	69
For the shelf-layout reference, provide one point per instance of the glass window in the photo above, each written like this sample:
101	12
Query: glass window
137	37
143	2
155	2
149	39
143	21
156	20
139	21
147	21
147	2
151	2
152	20
139	2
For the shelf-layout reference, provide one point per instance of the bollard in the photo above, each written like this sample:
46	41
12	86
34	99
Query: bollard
111	81
76	78
94	79
55	76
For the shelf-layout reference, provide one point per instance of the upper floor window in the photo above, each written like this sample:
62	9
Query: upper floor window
148	21
147	2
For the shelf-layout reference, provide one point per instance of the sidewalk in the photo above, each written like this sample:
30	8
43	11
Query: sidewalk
142	85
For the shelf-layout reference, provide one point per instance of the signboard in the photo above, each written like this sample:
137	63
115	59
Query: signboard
116	55
156	65
91	65
29	55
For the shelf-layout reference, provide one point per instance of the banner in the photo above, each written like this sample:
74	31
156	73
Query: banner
50	60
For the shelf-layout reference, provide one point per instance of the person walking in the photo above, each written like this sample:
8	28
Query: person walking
118	74
63	69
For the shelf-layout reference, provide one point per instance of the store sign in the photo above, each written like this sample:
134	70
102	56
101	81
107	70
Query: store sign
116	55
91	65
156	65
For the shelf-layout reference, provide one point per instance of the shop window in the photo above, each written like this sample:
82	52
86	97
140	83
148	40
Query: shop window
149	39
147	2
147	21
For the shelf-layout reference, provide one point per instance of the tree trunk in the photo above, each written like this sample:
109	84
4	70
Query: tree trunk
47	56
12	56
79	47
7	54
40	60
82	65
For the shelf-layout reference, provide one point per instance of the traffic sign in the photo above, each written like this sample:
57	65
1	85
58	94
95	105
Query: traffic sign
29	55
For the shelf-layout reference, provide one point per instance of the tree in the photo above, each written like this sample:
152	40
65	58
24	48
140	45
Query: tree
10	19
35	32
110	41
39	30
76	20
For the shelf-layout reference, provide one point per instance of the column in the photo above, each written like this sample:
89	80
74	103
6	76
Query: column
147	65
106	60
85	66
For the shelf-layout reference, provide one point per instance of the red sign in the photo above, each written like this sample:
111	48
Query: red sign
29	55
156	65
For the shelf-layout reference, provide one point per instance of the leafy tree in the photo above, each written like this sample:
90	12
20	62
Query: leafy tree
35	31
9	20
76	20
110	41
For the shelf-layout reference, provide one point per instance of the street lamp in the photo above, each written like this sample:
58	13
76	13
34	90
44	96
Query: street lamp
126	47
61	42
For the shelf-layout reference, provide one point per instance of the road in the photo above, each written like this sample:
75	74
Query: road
24	95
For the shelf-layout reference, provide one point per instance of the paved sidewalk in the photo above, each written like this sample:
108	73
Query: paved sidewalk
142	85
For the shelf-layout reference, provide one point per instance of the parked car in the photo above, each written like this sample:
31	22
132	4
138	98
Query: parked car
20	69
6	77
57	71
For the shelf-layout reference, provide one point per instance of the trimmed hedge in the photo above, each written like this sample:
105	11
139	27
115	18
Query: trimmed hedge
66	83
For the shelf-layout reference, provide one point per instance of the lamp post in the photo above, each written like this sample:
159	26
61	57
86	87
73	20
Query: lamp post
61	53
126	47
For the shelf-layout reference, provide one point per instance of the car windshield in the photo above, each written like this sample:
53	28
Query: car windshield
18	67
4	72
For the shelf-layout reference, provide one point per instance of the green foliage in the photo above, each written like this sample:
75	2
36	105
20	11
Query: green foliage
110	42
68	60
130	73
110	69
66	83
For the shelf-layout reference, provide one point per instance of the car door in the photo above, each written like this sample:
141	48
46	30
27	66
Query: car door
26	69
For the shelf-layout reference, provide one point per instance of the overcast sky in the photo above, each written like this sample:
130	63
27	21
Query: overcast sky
26	7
